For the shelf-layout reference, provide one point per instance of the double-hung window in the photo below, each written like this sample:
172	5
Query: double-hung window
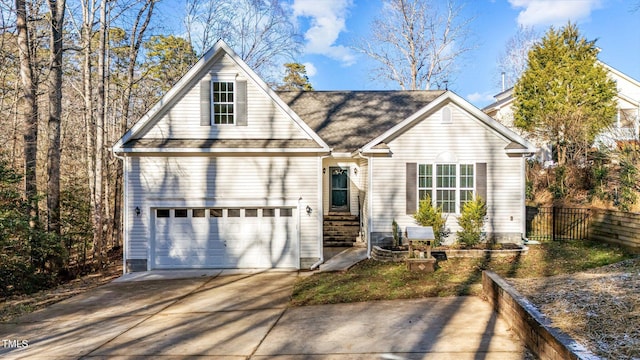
223	102
449	186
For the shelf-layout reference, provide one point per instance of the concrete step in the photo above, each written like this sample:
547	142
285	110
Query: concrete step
338	243
345	217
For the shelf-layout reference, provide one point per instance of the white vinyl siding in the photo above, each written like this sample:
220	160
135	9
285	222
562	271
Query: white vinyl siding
265	120
467	140
213	182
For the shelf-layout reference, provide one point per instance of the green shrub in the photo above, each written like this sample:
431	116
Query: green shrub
396	233
471	222
429	215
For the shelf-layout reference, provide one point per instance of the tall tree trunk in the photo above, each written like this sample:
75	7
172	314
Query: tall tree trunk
57	10
100	117
137	35
29	110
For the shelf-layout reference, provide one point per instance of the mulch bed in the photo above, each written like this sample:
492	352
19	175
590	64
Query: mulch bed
599	308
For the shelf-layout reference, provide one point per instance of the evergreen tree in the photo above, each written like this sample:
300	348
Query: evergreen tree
296	78
564	97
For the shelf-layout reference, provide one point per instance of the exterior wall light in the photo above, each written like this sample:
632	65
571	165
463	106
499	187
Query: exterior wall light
137	211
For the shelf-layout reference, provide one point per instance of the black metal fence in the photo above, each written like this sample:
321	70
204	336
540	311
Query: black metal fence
557	223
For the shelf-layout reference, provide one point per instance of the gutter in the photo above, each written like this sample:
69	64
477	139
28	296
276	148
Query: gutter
125	212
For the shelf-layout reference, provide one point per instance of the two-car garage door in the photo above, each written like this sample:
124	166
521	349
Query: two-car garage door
220	237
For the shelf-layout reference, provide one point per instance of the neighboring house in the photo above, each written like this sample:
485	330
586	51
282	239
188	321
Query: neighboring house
225	173
625	128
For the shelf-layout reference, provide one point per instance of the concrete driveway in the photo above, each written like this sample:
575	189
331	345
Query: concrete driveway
245	316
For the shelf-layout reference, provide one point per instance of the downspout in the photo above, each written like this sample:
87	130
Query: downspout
369	204
320	213
369	198
125	213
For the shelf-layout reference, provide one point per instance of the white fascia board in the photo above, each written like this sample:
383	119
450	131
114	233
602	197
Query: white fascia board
276	99
369	146
375	151
491	123
168	96
220	150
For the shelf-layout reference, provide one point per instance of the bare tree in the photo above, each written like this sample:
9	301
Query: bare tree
97	211
56	10
513	61
416	42
260	31
29	110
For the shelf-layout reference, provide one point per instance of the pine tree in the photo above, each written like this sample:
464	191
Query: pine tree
564	97
296	78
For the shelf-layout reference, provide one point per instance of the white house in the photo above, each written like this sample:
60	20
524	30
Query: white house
226	173
625	128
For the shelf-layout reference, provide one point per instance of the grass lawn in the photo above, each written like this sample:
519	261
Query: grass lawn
373	280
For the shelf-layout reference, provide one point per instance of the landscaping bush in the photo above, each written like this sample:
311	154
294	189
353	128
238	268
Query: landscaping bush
429	215
471	222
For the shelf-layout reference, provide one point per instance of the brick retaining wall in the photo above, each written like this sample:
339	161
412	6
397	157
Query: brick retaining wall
532	327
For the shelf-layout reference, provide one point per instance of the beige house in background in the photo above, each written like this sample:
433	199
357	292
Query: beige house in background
625	128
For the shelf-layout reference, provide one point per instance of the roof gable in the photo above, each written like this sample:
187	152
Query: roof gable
162	120
517	144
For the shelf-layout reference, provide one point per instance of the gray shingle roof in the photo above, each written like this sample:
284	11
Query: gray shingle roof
347	120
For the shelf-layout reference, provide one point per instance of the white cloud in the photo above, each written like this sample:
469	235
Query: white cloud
477	97
553	12
311	69
327	21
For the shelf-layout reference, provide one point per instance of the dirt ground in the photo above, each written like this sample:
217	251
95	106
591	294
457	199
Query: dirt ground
599	308
15	306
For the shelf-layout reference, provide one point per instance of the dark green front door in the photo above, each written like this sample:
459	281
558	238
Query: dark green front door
339	189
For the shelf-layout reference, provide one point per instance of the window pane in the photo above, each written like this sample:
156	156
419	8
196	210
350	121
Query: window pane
425	178
465	196
286	212
180	213
163	213
268	212
233	213
447	200
223	102
215	213
250	212
424	193
197	213
446	176
466	176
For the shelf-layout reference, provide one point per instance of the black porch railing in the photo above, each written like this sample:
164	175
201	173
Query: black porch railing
557	223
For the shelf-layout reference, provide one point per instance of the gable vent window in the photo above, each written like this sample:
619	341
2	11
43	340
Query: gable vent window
446	116
223	103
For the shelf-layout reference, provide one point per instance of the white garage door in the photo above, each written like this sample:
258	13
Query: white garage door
225	238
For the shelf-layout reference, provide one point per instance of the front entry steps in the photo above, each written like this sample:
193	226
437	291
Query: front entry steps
341	230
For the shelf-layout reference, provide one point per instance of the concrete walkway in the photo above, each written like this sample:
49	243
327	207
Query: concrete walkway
246	316
344	260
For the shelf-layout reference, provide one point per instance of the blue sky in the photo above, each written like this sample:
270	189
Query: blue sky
330	26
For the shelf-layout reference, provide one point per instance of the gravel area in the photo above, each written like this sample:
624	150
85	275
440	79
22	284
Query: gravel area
600	308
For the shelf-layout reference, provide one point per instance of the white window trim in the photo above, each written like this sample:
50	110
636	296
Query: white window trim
223	79
434	188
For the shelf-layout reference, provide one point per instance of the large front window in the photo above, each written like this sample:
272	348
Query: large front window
454	185
223	103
